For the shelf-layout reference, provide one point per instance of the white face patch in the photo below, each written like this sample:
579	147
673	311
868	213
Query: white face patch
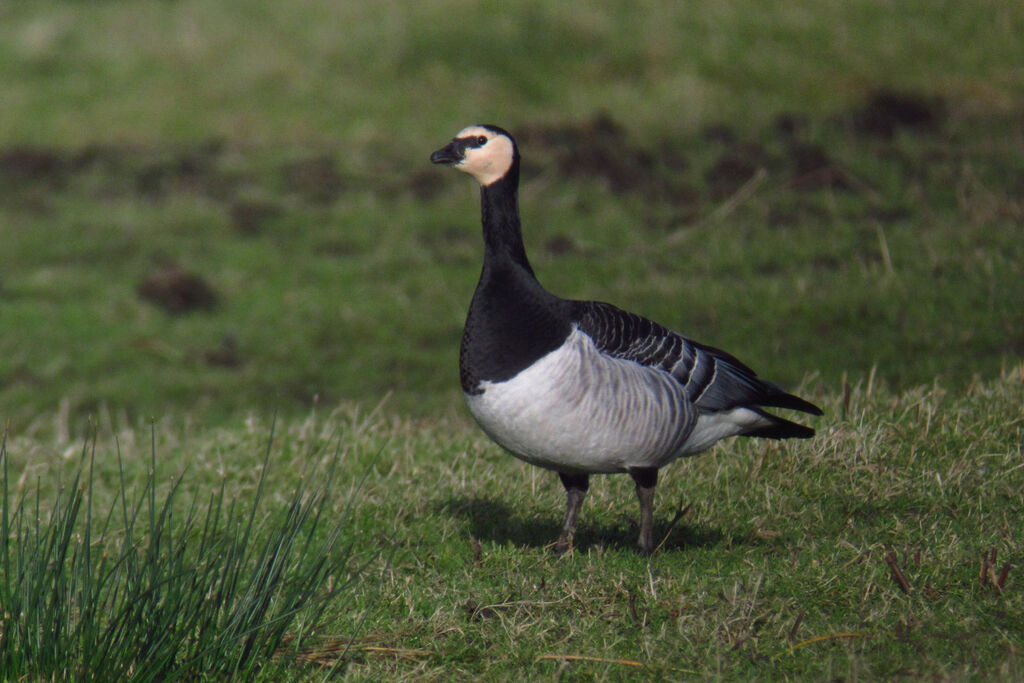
490	161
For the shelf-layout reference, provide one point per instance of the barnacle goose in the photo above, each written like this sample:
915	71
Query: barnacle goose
583	387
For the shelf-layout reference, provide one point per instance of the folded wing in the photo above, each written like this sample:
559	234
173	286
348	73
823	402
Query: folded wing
713	380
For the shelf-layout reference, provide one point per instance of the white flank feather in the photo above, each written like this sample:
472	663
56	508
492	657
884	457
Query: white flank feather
579	410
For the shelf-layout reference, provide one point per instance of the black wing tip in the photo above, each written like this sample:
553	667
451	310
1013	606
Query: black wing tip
791	402
782	429
773	395
776	427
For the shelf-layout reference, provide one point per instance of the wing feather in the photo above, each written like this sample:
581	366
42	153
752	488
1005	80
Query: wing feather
712	379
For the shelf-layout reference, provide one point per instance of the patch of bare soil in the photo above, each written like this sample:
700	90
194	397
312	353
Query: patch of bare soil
814	169
31	163
176	290
735	167
677	178
191	170
251	217
888	111
316	179
600	148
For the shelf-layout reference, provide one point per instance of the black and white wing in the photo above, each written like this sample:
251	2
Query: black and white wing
713	380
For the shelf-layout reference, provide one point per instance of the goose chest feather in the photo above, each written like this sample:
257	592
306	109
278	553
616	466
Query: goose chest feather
583	387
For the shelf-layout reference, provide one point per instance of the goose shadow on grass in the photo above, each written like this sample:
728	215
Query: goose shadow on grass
492	520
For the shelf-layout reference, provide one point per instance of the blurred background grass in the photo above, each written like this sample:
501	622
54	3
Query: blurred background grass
210	208
394	73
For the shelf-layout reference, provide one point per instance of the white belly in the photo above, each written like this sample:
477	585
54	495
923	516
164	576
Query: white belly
578	410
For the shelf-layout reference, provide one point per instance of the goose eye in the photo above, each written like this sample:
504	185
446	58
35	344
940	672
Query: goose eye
481	141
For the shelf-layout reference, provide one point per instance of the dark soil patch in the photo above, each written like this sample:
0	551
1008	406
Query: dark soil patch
888	111
176	291
790	125
31	176
31	163
599	148
734	168
251	218
316	179
193	171
888	214
116	171
596	148
814	169
92	156
719	133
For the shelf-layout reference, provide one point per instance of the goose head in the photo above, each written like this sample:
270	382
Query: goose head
487	153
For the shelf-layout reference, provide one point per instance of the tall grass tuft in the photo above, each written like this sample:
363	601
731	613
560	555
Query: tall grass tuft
164	586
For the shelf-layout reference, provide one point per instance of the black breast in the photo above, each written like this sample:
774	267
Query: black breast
512	322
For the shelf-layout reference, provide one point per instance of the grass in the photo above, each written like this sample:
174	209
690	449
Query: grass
365	294
148	586
782	545
215	212
778	568
337	282
316	72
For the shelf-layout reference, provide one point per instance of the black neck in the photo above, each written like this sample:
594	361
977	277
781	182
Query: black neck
512	319
503	235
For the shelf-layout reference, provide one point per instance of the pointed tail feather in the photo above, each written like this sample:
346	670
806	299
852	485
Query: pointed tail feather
780	428
780	399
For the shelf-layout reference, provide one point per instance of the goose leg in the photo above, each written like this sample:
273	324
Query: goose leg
576	486
646	478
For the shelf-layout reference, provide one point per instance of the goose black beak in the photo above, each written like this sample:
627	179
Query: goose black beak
449	155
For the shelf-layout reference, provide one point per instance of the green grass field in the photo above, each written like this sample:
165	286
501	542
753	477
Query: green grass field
214	213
